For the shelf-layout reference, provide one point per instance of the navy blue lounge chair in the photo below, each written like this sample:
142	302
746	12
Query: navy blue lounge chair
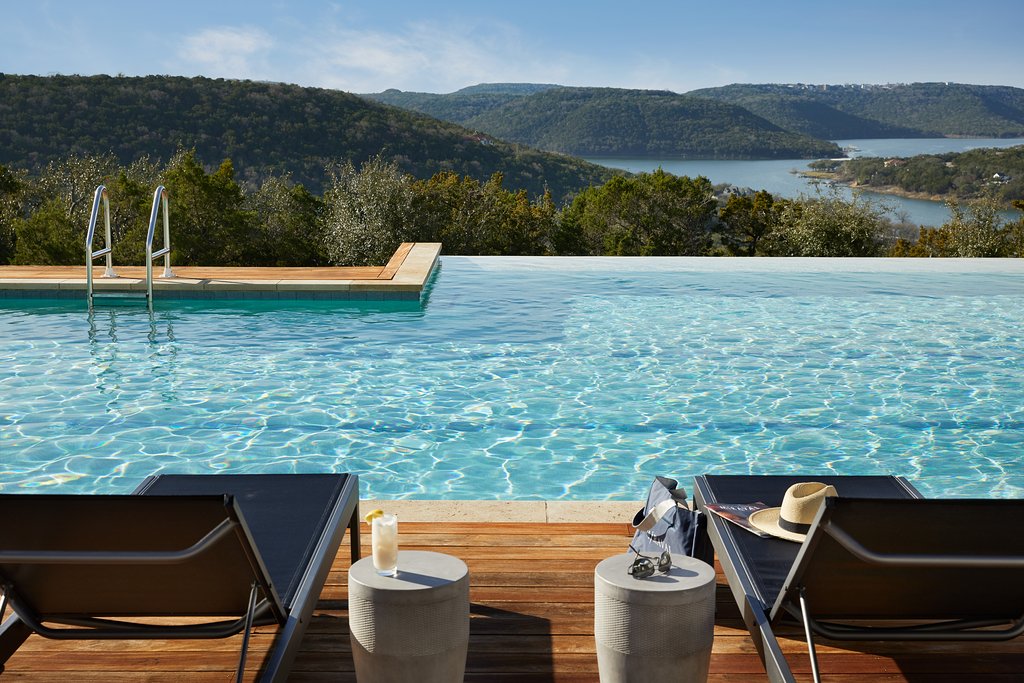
879	563
240	550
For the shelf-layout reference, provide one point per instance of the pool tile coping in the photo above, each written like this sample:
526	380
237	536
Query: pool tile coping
534	511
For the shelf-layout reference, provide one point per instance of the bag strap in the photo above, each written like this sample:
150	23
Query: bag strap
655	515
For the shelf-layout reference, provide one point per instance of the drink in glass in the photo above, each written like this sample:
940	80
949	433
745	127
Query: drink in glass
384	539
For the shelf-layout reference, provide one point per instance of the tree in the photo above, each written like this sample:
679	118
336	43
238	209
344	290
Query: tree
368	213
73	180
131	196
931	243
977	232
1015	233
12	199
650	214
470	218
209	225
49	237
828	225
746	221
70	185
288	225
516	225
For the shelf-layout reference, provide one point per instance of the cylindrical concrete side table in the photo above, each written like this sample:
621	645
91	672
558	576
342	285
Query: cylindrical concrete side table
656	629
413	626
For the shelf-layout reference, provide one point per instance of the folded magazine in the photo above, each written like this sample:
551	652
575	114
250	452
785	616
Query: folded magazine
737	513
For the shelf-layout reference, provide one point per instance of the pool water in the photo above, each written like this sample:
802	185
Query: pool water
526	378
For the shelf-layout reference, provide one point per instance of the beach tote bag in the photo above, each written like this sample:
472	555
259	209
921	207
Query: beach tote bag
665	522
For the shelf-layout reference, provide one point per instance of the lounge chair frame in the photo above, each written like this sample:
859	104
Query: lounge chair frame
826	525
230	537
898	573
753	606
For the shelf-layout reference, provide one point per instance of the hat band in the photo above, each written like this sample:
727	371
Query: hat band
793	526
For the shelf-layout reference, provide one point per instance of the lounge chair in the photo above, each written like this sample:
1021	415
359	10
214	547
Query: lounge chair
879	563
238	550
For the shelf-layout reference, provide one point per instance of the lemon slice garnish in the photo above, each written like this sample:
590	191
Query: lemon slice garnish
370	516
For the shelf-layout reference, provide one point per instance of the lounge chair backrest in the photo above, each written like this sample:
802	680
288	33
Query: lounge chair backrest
68	555
911	559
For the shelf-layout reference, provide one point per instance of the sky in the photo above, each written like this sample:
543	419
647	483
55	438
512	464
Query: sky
367	47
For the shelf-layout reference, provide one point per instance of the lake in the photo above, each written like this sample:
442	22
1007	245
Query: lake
781	176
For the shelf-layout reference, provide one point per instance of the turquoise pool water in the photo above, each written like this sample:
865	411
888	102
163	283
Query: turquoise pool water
574	379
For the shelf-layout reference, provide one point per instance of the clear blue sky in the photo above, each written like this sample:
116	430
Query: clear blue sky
440	47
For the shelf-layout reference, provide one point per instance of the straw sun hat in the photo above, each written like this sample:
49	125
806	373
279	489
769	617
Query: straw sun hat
793	520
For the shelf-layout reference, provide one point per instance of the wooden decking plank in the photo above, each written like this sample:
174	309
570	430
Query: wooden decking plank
591	542
531	620
397	259
481	533
195	272
206	273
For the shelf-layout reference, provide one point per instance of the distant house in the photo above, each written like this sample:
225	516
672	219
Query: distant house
1000	178
892	163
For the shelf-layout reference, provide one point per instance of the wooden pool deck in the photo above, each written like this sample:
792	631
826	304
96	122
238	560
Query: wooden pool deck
402	278
531	620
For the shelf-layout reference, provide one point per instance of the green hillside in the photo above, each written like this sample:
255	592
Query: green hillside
264	128
838	112
454	107
998	173
613	122
644	123
462	105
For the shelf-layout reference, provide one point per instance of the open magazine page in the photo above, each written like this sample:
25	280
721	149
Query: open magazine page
737	513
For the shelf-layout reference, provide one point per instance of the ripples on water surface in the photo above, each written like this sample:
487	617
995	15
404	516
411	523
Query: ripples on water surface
532	379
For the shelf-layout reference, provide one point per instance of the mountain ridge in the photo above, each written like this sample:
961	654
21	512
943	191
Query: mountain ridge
614	122
891	110
264	128
822	112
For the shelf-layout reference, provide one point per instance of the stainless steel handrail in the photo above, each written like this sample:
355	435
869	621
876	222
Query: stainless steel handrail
90	255
159	197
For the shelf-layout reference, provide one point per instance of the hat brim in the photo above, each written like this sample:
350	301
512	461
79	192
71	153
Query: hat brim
767	520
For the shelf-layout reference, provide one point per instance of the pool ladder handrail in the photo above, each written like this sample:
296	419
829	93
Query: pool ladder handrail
159	199
90	255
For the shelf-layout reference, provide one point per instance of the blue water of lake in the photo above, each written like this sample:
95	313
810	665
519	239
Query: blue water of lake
781	176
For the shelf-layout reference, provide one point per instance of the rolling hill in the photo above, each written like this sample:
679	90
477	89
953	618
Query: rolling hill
461	105
264	128
613	122
837	112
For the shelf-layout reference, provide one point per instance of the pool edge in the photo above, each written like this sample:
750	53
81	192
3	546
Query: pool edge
534	511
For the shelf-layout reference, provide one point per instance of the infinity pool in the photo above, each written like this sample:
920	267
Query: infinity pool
526	378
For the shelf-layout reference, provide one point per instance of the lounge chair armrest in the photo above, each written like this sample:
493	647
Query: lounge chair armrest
113	629
917	559
120	557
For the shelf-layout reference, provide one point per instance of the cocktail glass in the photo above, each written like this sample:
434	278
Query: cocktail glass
384	540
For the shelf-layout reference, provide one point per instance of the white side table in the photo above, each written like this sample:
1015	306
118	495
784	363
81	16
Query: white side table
656	629
413	626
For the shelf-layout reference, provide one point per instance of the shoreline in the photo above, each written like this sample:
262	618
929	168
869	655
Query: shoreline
894	190
900	192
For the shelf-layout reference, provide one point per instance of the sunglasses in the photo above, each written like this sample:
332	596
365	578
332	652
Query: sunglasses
644	566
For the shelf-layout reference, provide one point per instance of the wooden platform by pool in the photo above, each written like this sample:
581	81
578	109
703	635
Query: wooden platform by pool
531	620
403	278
